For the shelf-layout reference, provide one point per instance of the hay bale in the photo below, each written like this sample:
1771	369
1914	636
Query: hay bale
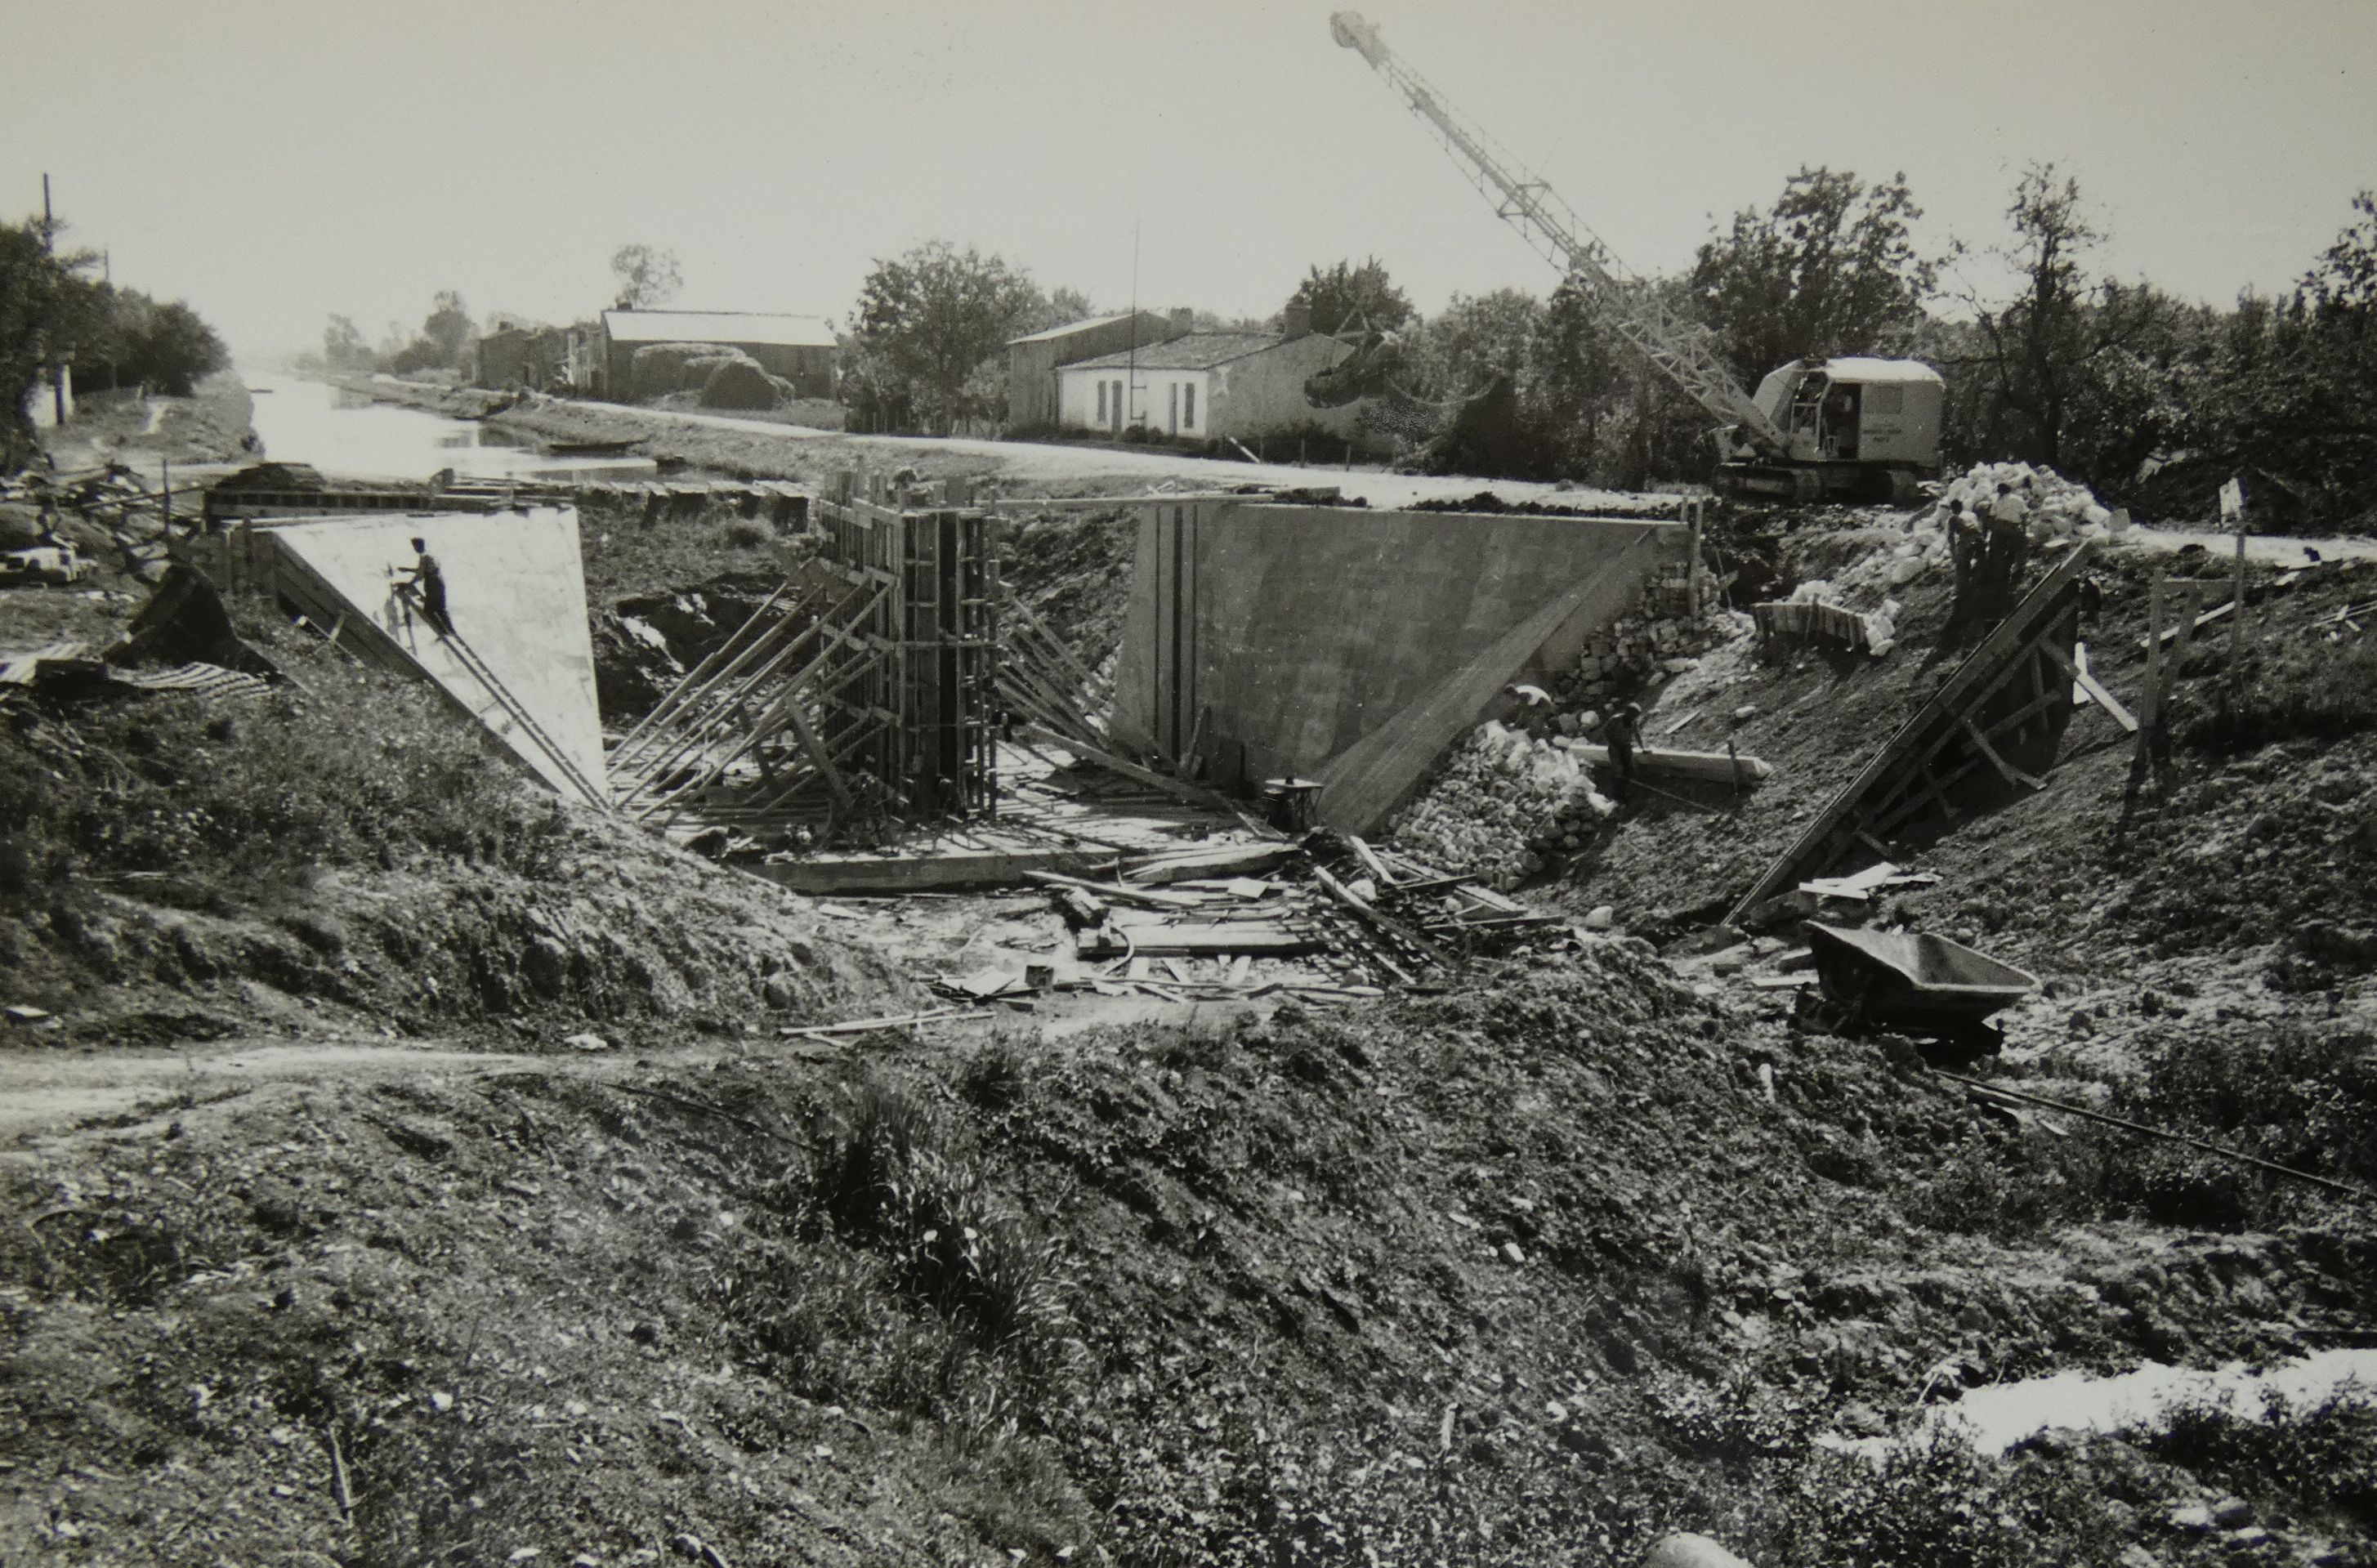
740	383
661	368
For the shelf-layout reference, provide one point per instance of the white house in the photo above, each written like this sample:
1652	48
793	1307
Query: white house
1207	385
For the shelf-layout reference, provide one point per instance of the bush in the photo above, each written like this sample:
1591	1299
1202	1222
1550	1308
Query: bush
2321	1461
888	1173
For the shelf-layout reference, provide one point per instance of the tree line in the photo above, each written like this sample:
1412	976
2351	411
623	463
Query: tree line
55	311
2148	398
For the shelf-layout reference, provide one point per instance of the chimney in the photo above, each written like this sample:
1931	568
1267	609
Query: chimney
1184	321
1296	319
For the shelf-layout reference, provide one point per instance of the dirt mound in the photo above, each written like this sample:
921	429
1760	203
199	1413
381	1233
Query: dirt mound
1073	568
347	845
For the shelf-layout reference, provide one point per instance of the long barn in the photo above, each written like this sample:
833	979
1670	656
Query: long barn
798	347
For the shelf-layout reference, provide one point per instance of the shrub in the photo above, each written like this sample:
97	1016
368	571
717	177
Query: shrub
2321	1461
888	1174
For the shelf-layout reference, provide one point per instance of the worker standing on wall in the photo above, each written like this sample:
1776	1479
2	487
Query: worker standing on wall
1623	733
430	580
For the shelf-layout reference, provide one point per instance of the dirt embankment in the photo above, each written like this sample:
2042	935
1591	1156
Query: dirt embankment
1534	1271
213	424
347	855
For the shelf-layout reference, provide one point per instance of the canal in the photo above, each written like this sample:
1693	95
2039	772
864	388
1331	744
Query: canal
345	434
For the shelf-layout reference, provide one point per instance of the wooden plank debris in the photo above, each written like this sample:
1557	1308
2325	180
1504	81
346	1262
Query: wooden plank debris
1218	939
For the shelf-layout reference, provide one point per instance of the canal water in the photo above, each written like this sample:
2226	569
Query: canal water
340	433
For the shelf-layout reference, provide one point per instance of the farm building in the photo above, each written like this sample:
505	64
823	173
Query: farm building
798	347
1034	359
522	356
1209	386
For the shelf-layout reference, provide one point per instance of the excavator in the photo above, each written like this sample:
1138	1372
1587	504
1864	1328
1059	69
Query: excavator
1842	428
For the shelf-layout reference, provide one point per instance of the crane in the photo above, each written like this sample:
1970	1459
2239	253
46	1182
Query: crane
1815	427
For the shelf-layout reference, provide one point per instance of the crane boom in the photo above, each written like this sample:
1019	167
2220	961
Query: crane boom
1683	349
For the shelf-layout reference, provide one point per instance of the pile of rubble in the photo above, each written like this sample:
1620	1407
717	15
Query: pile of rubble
96	512
1503	801
2054	507
1662	637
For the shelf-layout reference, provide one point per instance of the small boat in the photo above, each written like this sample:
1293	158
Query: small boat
1926	983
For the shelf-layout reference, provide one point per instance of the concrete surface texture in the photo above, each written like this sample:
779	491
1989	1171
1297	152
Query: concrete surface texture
1296	631
515	591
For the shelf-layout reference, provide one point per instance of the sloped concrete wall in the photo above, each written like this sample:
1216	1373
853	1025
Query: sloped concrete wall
516	589
1298	631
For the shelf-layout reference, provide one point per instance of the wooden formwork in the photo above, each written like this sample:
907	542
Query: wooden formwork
2000	715
867	681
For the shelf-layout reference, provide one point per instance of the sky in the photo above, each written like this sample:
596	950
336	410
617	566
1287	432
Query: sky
273	162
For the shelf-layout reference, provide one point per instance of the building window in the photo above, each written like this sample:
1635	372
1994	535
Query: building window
1102	402
1175	405
1188	405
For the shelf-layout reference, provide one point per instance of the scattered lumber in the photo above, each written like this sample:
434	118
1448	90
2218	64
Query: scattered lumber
1221	938
1117	893
1196	793
1227	863
2219	611
890	1021
1716	767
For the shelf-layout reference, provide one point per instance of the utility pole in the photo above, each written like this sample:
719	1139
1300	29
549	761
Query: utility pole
1131	360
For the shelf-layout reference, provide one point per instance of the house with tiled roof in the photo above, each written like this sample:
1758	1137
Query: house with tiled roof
1204	386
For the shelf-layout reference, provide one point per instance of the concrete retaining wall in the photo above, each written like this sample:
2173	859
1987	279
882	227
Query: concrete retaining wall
517	593
1296	631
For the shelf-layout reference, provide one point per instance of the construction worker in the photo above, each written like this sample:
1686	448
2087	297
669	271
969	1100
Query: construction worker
1623	732
431	583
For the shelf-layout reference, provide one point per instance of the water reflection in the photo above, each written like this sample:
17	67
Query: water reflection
347	434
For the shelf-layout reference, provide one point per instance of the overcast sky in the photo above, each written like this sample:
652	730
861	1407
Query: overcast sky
273	162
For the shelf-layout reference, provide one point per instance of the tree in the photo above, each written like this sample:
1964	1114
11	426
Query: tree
1347	297
1830	269
1471	340
926	319
648	278
2039	361
165	346
46	303
448	327
343	347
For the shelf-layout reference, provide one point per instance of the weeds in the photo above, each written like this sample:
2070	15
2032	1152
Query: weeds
2318	690
369	771
2320	1461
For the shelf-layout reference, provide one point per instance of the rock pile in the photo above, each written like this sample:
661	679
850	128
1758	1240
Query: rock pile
1661	637
1502	802
1508	798
2054	507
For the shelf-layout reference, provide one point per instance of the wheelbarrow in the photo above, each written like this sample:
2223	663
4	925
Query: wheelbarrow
1920	985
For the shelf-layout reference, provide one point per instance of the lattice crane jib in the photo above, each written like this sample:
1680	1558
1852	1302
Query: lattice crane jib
1682	349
